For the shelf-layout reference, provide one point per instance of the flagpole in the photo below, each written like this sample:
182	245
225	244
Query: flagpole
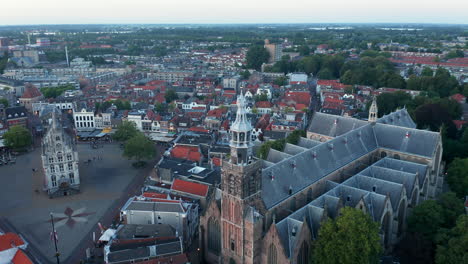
55	239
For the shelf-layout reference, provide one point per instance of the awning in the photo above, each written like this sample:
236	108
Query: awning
107	235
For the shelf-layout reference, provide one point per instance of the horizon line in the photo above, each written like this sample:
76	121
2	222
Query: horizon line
246	23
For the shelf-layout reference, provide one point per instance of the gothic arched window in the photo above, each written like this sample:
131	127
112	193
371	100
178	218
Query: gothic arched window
272	255
303	256
53	178
252	184
231	184
214	241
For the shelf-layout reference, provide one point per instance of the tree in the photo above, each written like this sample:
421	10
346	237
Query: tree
457	176
426	71
139	147
4	102
434	116
159	107
256	56
17	138
427	226
426	219
261	97
245	75
171	95
455	54
325	74
353	237
125	131
453	249
53	92
452	207
281	81
304	50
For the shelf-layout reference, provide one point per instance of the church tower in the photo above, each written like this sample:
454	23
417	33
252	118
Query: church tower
241	187
373	111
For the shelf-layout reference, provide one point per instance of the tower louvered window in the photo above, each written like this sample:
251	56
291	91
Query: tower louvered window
214	233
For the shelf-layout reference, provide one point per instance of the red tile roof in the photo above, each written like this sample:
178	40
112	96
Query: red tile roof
216	161
459	123
31	91
190	187
154	195
186	152
297	97
198	129
218	112
21	258
263	104
10	240
458	97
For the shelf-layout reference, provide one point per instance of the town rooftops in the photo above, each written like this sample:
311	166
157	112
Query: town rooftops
131	232
188	187
186	152
16	112
31	91
10	240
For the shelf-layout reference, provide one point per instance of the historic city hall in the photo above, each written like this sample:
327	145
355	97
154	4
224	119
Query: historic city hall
269	211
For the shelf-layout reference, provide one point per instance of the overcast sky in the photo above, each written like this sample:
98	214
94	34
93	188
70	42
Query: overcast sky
14	12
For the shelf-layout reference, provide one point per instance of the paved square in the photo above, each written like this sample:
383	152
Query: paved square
102	184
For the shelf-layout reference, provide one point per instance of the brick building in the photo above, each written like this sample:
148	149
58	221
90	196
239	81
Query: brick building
270	211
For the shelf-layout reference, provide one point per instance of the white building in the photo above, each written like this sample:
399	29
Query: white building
84	120
231	82
59	161
87	121
264	90
297	77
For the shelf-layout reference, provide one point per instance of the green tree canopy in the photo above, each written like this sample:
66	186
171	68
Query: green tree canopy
426	71
304	50
139	147
426	219
17	138
171	95
53	92
457	176
4	102
453	248
353	237
256	56
125	131
455	54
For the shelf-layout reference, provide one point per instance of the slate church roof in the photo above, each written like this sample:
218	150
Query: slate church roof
288	172
375	187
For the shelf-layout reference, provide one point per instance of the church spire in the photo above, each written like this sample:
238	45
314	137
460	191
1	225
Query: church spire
240	143
373	110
